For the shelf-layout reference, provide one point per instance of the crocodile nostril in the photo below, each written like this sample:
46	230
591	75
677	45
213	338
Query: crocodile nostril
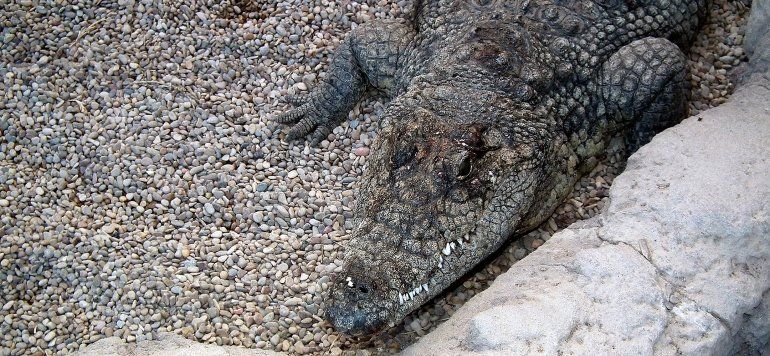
358	289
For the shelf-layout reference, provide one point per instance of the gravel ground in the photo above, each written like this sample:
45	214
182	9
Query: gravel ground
143	187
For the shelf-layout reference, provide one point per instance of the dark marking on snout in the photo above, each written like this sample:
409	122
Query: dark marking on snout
353	321
357	302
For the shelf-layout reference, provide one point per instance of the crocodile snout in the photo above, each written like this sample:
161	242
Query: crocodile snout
352	310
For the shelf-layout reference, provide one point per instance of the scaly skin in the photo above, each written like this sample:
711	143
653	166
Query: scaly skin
498	108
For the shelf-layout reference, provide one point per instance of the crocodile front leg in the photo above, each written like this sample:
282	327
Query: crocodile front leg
644	88
373	54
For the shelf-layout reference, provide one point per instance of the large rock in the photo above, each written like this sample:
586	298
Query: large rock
757	40
758	27
679	263
167	344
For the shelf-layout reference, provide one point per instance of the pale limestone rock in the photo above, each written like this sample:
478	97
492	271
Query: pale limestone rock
167	344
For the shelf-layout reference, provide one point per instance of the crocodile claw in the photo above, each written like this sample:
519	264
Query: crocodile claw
293	115
306	119
308	125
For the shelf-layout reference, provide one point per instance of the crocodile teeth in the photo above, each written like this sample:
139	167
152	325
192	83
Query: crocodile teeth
404	297
447	250
460	241
452	245
440	261
467	237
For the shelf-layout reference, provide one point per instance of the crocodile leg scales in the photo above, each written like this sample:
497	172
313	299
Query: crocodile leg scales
370	55
644	88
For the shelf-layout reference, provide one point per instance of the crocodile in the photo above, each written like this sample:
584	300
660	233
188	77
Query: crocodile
497	108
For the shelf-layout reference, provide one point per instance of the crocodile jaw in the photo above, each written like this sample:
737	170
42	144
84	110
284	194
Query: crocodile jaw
415	237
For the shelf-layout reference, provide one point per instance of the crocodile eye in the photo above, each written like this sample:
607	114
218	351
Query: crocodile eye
465	168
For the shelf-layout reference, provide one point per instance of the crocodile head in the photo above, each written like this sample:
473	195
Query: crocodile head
438	196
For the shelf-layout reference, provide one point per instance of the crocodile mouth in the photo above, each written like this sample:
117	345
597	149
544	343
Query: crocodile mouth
453	246
452	249
376	289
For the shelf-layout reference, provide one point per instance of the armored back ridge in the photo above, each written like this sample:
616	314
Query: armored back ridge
497	108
